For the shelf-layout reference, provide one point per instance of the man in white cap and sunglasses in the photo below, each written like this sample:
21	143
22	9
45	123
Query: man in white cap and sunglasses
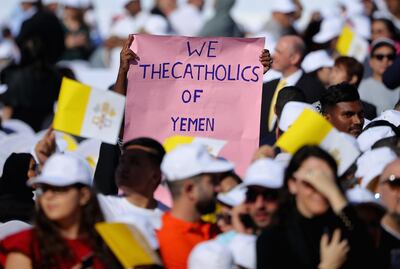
192	175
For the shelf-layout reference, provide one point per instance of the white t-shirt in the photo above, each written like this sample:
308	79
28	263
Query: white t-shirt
119	209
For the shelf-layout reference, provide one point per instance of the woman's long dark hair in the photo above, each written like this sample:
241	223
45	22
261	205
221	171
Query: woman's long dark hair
286	200
53	248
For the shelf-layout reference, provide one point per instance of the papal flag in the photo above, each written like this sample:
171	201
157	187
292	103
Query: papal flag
214	146
310	128
128	244
87	112
351	44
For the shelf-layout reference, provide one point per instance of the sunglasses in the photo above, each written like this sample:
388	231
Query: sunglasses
380	57
226	218
268	195
392	180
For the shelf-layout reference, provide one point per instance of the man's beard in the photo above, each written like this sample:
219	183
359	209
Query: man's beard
206	206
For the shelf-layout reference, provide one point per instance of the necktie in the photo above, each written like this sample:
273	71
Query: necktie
272	117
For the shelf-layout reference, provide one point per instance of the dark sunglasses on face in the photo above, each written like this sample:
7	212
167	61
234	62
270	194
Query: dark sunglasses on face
392	180
380	57
268	195
226	218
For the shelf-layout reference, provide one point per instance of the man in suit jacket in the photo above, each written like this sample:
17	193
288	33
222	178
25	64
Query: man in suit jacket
289	52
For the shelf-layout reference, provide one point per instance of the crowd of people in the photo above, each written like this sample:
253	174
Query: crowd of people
286	211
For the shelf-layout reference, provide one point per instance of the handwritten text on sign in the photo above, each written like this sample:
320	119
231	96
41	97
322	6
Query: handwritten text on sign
199	87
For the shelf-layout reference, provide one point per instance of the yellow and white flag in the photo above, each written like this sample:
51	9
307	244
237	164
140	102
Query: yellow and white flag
128	244
311	128
87	112
214	146
351	44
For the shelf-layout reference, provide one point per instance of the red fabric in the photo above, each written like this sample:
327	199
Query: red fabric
177	238
25	242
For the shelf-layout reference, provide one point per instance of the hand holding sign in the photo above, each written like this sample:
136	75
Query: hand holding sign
198	87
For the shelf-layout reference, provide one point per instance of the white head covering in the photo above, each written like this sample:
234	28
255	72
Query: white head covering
266	173
316	60
330	28
372	163
234	197
358	195
210	255
243	248
284	6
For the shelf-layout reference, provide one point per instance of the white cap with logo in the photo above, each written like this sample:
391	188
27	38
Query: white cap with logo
190	160
64	170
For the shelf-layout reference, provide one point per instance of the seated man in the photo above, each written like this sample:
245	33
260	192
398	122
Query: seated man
342	107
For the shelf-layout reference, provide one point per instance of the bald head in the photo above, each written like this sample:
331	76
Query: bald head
289	52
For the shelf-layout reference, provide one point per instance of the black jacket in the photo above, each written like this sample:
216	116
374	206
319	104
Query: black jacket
312	89
295	242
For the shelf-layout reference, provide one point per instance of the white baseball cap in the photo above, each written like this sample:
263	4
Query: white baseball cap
243	249
190	160
330	28
212	255
64	170
266	173
372	163
290	112
234	197
316	60
284	6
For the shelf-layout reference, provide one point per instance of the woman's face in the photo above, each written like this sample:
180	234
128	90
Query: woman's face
309	201
62	204
379	30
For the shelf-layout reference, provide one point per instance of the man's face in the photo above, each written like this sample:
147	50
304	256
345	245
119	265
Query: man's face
381	59
338	75
389	188
206	190
347	117
261	204
136	170
282	56
133	7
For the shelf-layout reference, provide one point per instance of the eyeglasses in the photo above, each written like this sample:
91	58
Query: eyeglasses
380	57
268	195
392	180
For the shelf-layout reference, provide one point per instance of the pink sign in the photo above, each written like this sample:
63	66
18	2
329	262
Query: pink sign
197	88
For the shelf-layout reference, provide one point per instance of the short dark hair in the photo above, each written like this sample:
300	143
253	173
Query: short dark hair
352	68
175	187
156	148
343	92
288	94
